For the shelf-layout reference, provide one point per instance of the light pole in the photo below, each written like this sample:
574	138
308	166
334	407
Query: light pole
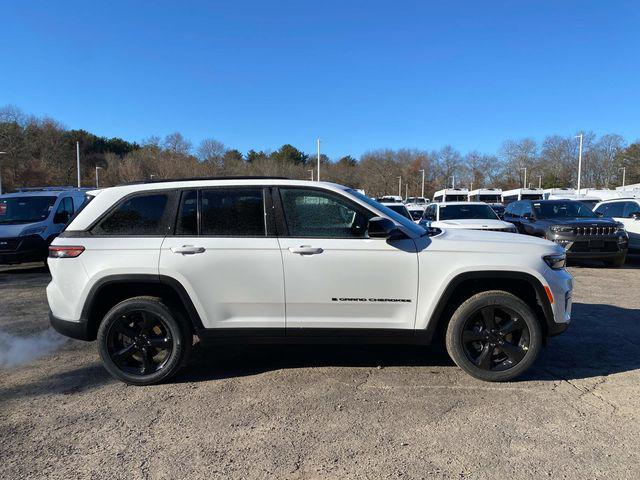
579	163
624	174
422	183
78	161
453	181
1	153
524	184
400	186
539	181
318	176
97	168
406	191
311	174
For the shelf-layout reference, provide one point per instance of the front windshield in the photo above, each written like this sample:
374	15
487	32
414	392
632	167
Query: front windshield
401	209
396	217
459	212
16	210
562	209
416	214
455	198
416	200
490	198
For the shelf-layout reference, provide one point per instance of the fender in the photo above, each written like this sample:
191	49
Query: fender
435	319
158	280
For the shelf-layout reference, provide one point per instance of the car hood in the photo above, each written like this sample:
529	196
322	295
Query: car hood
14	230
499	243
473	223
579	222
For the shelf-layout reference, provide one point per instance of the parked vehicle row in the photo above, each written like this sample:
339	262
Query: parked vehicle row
142	268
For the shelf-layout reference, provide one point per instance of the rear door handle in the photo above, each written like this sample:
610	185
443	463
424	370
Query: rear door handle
188	250
306	250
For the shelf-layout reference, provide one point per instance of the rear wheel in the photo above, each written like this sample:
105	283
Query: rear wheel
616	262
142	342
494	336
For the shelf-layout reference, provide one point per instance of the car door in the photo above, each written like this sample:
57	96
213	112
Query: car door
622	212
512	214
631	222
225	258
337	277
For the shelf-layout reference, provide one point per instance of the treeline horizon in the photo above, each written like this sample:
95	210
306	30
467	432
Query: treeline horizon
40	151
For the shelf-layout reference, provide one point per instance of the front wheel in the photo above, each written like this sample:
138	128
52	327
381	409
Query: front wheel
142	342
494	336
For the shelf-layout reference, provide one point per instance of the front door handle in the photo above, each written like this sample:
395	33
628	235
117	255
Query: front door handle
187	250
306	250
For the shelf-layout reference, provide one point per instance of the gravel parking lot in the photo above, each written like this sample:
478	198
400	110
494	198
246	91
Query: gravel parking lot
330	412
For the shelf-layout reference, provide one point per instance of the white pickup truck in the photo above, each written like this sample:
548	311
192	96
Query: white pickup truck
145	267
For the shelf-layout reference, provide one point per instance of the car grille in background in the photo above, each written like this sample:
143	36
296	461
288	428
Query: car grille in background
8	244
594	230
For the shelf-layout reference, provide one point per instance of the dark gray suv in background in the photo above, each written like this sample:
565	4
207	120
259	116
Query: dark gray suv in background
573	225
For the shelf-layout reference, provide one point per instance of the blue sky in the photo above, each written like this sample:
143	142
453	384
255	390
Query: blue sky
361	75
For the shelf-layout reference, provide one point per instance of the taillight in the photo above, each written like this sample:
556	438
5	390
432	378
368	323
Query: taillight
65	251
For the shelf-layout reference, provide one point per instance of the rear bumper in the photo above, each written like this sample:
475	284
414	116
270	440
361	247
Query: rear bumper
32	248
78	330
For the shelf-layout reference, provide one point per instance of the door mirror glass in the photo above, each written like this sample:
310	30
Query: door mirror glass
380	227
635	215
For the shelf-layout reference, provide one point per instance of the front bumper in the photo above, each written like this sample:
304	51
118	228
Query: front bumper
560	283
78	330
32	248
596	247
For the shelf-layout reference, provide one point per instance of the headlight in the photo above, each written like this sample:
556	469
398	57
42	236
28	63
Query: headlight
560	228
33	231
556	261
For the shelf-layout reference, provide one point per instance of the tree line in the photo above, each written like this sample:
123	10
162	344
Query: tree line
41	151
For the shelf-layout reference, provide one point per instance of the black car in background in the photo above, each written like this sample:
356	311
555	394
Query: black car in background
573	225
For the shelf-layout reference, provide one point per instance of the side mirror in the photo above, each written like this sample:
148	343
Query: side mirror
61	217
635	215
527	216
380	227
599	214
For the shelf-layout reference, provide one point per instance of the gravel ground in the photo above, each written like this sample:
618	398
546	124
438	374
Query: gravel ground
330	412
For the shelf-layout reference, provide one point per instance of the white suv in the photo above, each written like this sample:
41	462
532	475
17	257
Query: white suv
143	268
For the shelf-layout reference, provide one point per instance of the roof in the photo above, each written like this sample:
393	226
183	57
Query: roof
446	204
42	192
525	191
480	191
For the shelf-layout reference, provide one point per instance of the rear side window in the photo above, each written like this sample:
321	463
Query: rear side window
187	223
232	212
139	215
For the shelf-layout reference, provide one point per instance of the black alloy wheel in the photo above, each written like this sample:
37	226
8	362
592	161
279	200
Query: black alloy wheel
140	343
495	338
143	341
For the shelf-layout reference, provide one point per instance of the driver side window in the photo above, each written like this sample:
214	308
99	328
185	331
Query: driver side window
314	213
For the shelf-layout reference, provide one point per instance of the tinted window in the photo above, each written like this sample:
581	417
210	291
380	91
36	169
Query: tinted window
25	209
66	205
416	214
629	208
187	223
237	212
457	212
562	209
140	215
312	213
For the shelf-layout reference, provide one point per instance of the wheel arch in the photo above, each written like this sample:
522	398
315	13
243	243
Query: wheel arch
524	285
112	289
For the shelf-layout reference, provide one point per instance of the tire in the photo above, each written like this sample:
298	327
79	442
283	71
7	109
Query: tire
141	341
616	262
494	336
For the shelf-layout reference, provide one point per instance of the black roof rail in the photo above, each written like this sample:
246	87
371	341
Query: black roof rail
191	179
47	189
